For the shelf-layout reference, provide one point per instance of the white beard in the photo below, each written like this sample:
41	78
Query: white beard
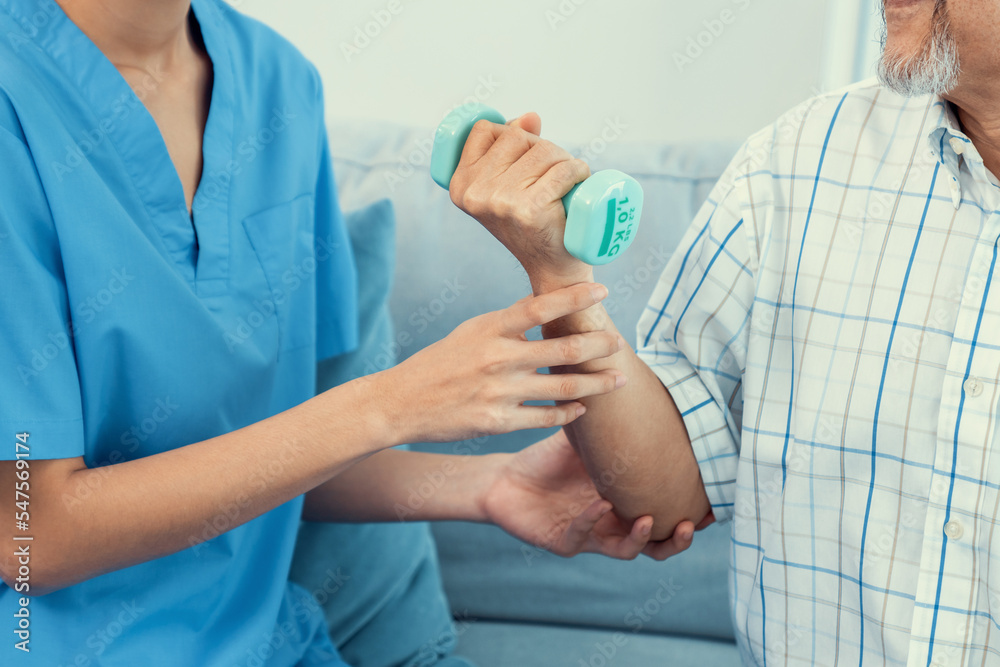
934	70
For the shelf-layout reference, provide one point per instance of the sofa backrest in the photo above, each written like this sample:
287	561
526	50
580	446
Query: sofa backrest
449	269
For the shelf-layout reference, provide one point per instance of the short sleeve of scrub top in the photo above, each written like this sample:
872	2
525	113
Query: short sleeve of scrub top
131	327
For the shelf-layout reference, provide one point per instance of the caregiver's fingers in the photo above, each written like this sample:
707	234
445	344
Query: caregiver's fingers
681	539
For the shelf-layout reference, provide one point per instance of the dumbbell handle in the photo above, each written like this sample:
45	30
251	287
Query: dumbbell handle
602	212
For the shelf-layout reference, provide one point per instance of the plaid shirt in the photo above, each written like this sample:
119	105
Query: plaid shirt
828	330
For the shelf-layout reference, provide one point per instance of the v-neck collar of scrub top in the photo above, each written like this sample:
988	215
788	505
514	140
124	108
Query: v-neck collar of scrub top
199	243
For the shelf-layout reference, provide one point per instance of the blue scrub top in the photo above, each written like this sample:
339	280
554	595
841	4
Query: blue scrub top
127	328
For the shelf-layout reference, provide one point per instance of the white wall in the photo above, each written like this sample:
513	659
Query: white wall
853	41
578	63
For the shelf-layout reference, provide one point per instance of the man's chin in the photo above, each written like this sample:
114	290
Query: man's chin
912	78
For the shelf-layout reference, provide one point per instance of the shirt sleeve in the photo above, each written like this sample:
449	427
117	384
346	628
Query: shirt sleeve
40	388
694	332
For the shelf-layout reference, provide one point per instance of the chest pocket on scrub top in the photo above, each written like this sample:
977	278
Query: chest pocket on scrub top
282	238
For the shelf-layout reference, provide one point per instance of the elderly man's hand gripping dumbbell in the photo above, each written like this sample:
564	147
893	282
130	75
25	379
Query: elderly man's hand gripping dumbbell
533	196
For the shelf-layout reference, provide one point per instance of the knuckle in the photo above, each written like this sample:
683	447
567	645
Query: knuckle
481	127
494	364
568	170
499	204
570	350
569	388
550	150
578	298
534	312
457	191
493	420
473	325
562	172
473	199
525	210
551	418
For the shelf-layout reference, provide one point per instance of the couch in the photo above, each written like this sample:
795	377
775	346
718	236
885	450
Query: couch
515	605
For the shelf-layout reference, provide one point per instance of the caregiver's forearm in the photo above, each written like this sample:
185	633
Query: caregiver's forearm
397	485
476	380
86	522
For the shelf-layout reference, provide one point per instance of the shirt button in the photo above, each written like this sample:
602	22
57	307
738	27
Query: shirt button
957	145
973	387
954	530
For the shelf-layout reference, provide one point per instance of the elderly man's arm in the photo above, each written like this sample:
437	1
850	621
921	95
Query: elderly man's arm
637	443
634	442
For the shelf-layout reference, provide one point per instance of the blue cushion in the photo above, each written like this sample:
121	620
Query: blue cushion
379	584
497	644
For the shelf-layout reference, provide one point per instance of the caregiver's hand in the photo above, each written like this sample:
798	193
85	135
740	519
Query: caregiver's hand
512	182
544	496
476	381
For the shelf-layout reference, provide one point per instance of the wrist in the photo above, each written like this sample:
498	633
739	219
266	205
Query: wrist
592	319
381	406
491	469
545	281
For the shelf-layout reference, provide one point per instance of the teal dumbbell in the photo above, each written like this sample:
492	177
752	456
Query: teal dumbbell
602	212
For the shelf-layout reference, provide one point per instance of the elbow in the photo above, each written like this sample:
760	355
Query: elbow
30	576
666	520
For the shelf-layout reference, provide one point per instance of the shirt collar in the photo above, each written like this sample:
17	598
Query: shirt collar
950	145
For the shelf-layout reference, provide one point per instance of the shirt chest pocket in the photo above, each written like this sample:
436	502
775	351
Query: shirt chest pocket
282	238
